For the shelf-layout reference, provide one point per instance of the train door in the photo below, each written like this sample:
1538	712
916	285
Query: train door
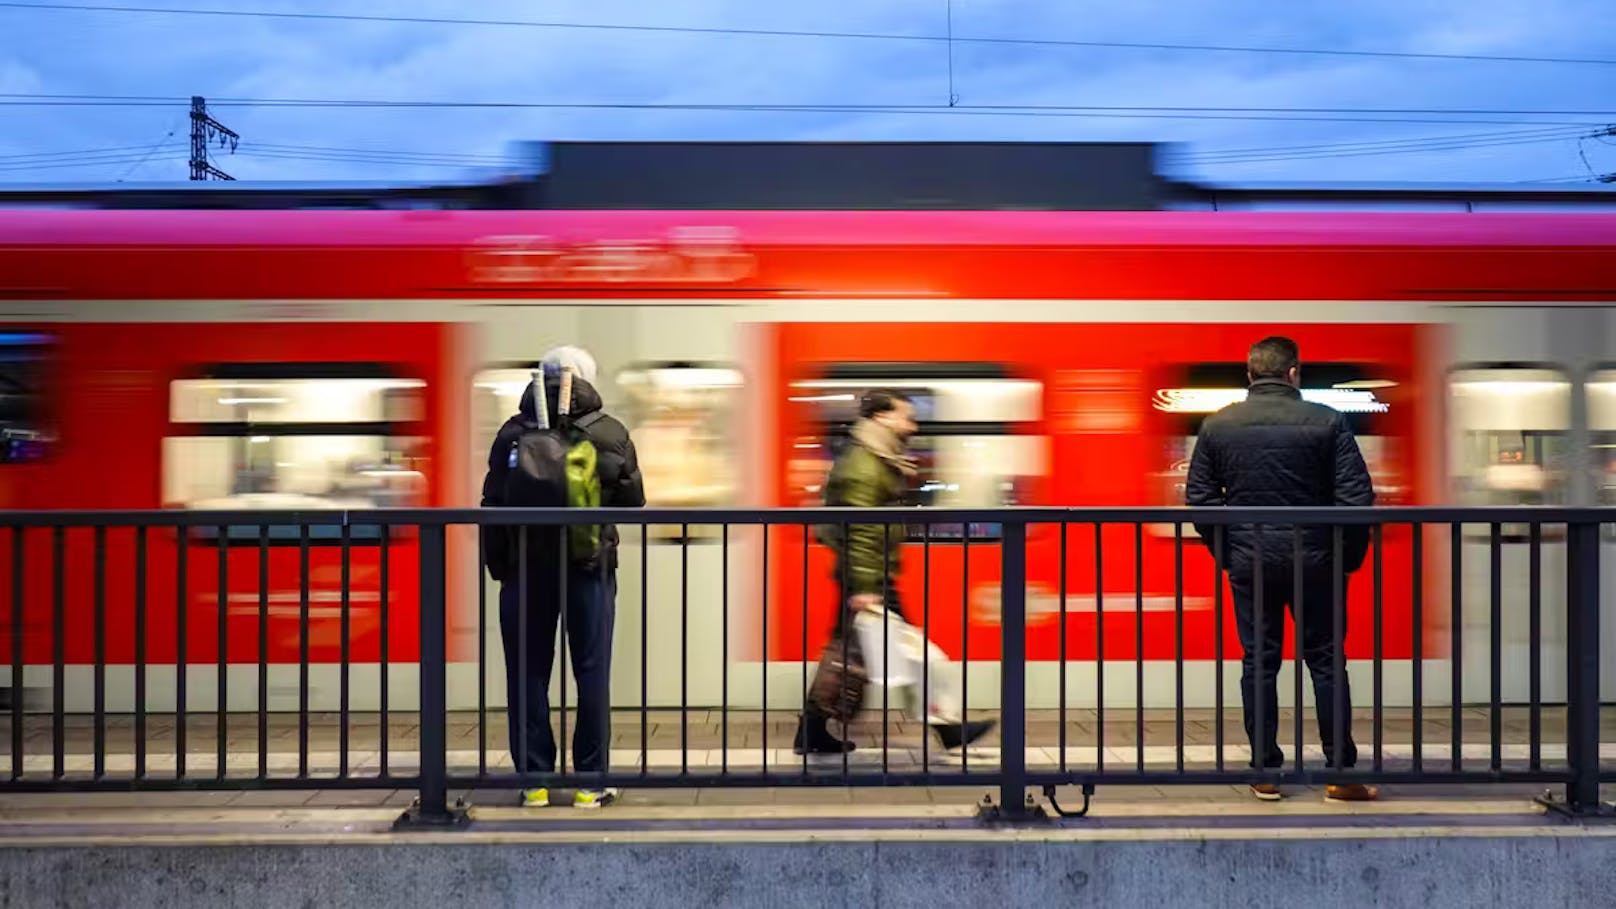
1509	445
666	371
1602	464
1527	404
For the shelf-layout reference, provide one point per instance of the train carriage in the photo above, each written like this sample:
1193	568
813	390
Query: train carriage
352	360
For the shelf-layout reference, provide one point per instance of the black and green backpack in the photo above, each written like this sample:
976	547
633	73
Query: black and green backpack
557	467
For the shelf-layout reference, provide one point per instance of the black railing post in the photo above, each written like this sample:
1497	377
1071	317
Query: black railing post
432	806
1013	675
1582	666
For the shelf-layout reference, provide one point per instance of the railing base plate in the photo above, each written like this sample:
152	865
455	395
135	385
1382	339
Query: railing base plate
1028	814
415	819
1556	804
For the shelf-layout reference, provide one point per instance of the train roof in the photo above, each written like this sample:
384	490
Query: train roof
271	255
878	229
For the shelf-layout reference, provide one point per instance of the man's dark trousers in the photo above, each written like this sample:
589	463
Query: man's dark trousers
1319	649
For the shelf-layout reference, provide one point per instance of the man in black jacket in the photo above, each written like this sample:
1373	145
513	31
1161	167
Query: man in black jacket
1275	449
591	587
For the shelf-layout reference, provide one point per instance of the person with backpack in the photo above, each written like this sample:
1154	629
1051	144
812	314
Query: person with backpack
568	453
873	471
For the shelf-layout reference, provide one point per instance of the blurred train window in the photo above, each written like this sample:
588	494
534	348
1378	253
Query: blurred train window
974	448
332	436
1357	390
1511	427
1602	423
496	393
25	431
683	419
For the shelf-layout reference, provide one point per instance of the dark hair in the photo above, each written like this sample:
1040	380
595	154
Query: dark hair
879	401
1273	358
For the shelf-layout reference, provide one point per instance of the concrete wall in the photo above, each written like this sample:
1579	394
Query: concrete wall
1319	869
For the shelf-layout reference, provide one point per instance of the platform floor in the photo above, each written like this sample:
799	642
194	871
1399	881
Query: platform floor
1140	845
703	740
1197	847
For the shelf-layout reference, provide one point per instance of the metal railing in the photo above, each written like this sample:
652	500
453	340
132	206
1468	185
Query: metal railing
101	701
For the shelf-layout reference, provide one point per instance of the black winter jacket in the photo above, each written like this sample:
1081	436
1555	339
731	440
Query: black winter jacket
1275	449
620	483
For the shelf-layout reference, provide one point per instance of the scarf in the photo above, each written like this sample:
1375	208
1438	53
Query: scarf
884	444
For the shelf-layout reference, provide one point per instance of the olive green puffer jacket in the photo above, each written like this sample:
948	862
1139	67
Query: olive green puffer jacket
862	479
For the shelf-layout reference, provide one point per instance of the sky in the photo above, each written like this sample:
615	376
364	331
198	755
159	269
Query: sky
100	52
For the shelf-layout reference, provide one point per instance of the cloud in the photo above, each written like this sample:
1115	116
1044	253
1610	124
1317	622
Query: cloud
245	57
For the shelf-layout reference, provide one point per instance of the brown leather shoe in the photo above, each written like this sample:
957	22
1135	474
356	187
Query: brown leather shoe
1351	792
1266	792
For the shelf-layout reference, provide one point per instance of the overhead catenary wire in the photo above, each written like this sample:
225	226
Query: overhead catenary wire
136	160
424	157
118	154
1411	150
1579	178
1482	116
1325	149
137	100
365	159
1375	143
93	156
88	162
395	156
1427	146
72	153
952	38
149	152
380	155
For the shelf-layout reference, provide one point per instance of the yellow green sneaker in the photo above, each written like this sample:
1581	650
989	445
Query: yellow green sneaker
594	798
535	798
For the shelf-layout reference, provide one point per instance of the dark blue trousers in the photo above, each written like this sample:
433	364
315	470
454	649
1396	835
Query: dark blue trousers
591	601
1320	647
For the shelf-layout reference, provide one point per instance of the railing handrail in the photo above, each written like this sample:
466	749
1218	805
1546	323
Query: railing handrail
1024	515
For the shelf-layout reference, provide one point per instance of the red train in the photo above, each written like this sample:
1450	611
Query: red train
348	360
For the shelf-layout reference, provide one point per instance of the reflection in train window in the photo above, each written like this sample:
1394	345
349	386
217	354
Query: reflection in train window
1511	426
973	449
282	437
496	393
1602	422
298	399
973	471
24	432
1357	390
682	418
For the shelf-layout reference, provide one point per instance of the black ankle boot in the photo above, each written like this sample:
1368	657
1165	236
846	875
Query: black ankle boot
813	737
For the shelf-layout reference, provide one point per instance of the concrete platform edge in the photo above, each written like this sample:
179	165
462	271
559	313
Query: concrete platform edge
1320	867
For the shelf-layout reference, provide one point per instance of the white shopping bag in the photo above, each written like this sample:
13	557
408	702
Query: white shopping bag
892	657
